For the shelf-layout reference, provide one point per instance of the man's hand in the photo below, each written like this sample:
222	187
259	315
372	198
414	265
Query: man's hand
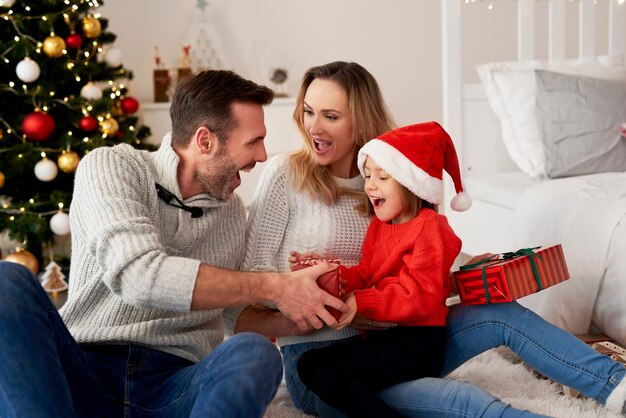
302	301
347	317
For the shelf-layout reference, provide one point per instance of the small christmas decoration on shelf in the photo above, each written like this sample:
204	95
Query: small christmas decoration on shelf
184	64
53	279
161	78
278	77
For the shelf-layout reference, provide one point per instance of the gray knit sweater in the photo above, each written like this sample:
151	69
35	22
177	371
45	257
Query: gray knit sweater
135	259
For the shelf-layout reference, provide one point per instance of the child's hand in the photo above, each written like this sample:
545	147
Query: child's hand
295	257
346	317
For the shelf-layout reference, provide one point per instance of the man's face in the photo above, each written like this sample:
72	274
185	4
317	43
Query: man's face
243	149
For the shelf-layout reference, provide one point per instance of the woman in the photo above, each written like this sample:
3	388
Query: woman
306	202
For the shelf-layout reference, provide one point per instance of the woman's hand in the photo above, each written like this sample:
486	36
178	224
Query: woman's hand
361	322
295	257
478	258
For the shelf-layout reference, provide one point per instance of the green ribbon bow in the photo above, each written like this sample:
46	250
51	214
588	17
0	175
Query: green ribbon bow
497	258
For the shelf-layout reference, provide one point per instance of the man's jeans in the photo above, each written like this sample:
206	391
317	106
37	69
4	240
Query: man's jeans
44	372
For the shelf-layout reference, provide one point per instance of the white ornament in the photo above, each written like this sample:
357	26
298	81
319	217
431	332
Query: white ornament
114	57
27	70
91	92
46	170
60	223
6	3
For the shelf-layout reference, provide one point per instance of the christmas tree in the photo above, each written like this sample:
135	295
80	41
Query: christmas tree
62	94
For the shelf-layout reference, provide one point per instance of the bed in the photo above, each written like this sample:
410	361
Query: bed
543	158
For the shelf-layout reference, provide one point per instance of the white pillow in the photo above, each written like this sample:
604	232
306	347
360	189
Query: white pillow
511	90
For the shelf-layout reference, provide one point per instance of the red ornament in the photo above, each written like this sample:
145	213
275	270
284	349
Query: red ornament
38	126
88	123
74	41
129	105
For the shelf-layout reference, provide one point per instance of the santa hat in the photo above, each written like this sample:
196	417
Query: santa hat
415	156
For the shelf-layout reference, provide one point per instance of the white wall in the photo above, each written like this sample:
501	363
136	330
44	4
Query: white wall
399	41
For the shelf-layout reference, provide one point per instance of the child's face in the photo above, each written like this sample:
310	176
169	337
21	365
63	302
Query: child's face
385	194
328	123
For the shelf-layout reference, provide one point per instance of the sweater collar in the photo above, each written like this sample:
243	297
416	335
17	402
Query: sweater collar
165	162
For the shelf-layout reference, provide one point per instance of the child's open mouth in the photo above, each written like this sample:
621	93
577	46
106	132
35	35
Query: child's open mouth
377	202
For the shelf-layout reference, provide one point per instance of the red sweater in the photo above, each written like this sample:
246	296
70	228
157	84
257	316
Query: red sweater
403	276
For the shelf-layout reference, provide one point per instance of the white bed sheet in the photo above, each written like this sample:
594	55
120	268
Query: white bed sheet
587	215
502	189
488	225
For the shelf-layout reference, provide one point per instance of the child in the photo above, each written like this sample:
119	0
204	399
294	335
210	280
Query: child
403	276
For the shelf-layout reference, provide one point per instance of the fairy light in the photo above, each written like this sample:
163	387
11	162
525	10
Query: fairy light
45	19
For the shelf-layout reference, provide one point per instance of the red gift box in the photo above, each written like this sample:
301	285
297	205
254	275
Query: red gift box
509	276
329	282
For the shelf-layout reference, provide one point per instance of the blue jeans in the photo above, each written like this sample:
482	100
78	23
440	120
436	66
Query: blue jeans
46	373
471	331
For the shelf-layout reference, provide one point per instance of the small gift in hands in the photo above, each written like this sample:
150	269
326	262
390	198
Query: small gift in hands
329	282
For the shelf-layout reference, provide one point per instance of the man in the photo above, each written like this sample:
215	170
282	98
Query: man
156	242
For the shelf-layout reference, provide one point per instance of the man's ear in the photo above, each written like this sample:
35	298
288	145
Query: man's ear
205	140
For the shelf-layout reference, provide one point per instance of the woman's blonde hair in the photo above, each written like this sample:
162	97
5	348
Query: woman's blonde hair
370	118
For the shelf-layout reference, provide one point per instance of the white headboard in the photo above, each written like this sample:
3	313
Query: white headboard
466	114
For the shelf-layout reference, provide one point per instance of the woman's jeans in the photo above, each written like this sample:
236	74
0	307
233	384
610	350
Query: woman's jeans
471	331
45	373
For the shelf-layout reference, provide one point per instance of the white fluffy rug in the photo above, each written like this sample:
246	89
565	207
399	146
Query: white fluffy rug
499	372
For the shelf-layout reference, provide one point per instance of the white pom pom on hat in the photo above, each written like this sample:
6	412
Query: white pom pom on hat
416	156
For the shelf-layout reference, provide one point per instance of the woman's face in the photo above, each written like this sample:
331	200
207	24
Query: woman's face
328	123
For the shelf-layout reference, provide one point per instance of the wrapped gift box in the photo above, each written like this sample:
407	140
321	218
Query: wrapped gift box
329	282
510	276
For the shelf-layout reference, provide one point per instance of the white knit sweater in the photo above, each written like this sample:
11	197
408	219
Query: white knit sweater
135	259
282	220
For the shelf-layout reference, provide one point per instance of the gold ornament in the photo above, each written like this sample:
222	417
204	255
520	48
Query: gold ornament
91	27
109	126
68	161
25	258
53	46
1	179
